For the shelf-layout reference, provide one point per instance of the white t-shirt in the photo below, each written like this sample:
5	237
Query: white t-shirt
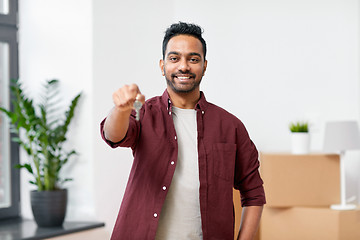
180	216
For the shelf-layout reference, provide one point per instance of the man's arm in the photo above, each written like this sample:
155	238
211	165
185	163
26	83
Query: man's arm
117	122
250	220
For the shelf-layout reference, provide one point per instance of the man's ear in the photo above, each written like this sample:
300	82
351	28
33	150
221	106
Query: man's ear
205	66
161	64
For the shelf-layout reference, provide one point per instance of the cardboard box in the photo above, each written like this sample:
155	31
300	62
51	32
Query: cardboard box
299	223
301	180
238	211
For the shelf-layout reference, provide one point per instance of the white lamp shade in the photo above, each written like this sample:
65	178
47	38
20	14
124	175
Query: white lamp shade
341	136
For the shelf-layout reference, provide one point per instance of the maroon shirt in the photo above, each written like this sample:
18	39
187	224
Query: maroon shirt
227	159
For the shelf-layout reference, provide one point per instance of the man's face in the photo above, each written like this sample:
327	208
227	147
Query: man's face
184	64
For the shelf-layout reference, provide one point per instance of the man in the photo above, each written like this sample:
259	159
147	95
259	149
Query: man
188	154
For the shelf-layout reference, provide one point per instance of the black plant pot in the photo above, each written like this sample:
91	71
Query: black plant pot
49	207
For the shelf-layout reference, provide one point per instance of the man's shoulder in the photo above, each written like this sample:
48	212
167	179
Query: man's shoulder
218	116
217	110
154	101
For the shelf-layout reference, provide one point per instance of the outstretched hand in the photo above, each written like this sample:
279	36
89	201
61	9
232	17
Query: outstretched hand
125	97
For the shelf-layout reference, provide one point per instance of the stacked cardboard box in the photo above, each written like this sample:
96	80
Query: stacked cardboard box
308	223
299	191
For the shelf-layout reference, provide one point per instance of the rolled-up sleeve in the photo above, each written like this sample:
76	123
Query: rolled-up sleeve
130	137
247	177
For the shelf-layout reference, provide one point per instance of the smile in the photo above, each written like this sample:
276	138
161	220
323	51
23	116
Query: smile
183	78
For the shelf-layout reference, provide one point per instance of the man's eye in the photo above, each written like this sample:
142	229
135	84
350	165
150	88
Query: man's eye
173	59
195	60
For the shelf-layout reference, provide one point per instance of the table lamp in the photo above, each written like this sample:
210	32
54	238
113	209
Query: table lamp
339	137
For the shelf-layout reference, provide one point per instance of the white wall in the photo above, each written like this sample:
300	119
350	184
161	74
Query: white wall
272	61
55	42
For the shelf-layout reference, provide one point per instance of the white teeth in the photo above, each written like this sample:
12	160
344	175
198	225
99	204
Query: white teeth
183	78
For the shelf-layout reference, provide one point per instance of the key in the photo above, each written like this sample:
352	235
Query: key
137	107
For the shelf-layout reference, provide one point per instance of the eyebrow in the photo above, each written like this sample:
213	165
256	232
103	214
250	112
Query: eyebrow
191	54
173	52
195	54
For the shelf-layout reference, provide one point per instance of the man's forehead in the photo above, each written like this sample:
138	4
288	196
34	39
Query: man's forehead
184	44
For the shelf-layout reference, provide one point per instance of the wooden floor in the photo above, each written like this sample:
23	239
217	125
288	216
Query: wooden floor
93	234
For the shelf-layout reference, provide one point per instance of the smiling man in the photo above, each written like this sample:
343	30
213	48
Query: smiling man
188	154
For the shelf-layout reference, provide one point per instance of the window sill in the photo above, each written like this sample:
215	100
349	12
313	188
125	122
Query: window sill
23	229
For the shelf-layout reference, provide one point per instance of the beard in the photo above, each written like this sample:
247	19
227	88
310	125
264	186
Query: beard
182	88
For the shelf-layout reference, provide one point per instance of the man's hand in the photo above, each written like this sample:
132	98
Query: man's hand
125	97
117	122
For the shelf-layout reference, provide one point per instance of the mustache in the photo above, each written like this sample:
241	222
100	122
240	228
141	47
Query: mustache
182	73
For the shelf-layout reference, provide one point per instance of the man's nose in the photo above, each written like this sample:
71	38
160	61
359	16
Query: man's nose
184	65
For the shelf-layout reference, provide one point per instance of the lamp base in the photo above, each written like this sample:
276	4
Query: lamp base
343	206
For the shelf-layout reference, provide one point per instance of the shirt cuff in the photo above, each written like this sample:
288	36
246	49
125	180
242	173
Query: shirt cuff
254	197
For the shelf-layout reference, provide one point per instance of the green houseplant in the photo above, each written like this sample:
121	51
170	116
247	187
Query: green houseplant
41	131
299	127
300	137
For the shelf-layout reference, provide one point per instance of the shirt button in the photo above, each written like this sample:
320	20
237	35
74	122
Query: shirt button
155	215
202	112
175	137
164	188
169	113
172	163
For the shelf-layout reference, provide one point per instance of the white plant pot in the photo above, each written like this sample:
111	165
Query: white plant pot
300	143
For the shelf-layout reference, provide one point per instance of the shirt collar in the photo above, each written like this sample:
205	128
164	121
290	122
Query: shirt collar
202	104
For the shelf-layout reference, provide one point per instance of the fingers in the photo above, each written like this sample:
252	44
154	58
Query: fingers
125	97
140	98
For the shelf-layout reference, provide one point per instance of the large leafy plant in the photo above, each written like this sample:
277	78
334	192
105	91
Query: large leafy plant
41	131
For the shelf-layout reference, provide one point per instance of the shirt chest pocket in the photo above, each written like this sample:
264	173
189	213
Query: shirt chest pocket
224	160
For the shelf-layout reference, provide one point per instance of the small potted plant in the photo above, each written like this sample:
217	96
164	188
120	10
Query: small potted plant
300	138
41	131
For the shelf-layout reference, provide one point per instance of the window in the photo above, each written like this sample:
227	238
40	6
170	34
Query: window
9	151
4	7
8	12
4	126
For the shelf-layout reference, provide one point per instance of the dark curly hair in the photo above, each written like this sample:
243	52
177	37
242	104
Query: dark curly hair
183	28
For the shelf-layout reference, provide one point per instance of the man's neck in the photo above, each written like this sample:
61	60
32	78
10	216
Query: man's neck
184	100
